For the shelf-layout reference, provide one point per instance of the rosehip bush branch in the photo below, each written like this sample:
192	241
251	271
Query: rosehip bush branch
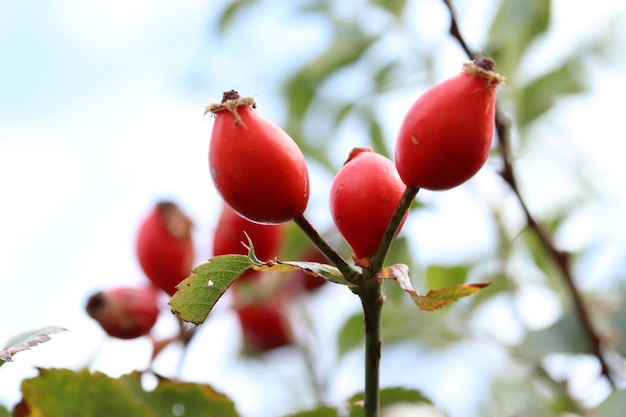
561	259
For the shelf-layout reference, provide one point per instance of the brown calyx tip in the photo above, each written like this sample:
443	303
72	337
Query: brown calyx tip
230	95
95	303
484	68
485	63
231	100
177	224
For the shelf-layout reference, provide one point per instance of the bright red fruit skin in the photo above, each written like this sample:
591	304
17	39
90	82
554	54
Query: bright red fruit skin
264	326
164	246
125	312
446	135
363	197
256	166
230	236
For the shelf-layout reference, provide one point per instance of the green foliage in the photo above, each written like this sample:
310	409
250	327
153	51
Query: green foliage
613	406
198	293
230	12
564	336
394	7
388	396
540	95
65	393
318	412
516	25
351	334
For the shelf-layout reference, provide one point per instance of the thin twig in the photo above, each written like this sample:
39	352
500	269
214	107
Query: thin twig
561	259
346	270
392	229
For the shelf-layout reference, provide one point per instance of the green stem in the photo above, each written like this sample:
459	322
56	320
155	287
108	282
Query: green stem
392	230
372	299
346	270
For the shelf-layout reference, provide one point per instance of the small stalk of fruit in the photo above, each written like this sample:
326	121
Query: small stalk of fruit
263	178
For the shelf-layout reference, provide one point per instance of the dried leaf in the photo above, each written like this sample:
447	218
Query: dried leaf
435	299
25	341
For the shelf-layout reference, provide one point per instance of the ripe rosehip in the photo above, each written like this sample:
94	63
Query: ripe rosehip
363	196
165	247
264	326
256	167
125	312
446	135
230	236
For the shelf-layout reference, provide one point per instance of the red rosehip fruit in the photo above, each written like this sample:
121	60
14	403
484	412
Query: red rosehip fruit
363	197
230	236
264	326
125	312
165	247
446	135
255	165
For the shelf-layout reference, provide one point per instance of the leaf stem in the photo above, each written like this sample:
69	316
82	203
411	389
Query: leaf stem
391	231
346	270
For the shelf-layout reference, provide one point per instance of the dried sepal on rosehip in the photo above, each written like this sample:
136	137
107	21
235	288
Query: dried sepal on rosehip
446	135
255	165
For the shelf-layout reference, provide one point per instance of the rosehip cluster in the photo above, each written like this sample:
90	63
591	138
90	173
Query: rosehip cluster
165	252
260	172
262	176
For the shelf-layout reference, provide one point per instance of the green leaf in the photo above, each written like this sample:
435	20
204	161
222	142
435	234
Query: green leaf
322	411
435	299
27	340
199	292
388	396
539	96
351	334
349	43
613	405
442	276
377	137
65	393
516	24
230	13
4	412
180	398
394	7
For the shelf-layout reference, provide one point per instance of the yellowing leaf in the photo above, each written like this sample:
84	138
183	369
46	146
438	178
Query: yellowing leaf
435	299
